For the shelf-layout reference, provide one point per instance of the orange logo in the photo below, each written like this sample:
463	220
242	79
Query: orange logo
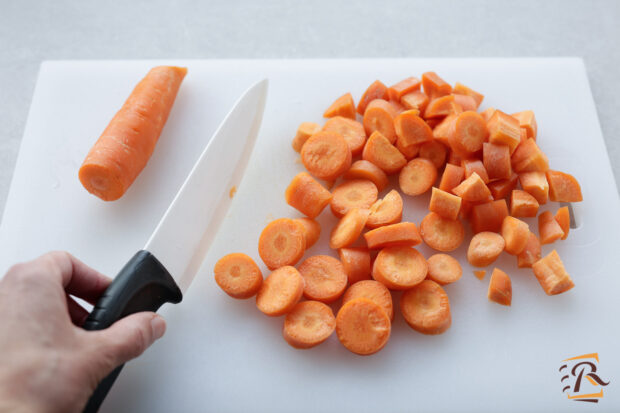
580	379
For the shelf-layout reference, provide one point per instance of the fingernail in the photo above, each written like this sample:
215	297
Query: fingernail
158	324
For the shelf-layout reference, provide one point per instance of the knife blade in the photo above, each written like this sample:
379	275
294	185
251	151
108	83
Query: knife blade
163	271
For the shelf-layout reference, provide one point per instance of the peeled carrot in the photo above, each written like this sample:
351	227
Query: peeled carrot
500	288
484	248
348	230
475	165
528	157
531	252
444	269
401	234
452	177
126	144
386	211
480	274
399	268
535	184
398	90
434	86
415	100
487	114
527	121
324	278
461	89
434	151
470	132
357	193
445	204
563	187
417	177
304	131
312	230
503	187
373	291
397	107
409	152
282	242
308	324
504	130
472	189
562	216
362	326
343	106
326	155
523	204
307	195
488	216
376	90
381	152
426	308
238	275
454	158
411	129
363	169
496	159
445	128
440	233
465	102
551	274
280	291
516	234
441	106
379	116
351	130
356	264
548	228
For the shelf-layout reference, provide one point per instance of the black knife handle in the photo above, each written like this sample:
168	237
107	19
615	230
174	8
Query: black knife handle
142	285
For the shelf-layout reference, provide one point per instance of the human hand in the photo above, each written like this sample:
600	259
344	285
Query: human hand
47	362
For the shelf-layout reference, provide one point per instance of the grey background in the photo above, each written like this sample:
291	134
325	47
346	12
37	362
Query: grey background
32	31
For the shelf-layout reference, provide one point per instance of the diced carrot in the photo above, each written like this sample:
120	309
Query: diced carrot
238	275
312	230
307	195
324	278
399	268
484	248
357	193
472	189
515	233
400	234
445	204
379	116
405	86
415	100
487	114
562	216
466	102
351	130
381	152
528	157
362	326
349	228
504	130
304	131
409	152
434	151
376	90
531	252
461	89
373	291
426	308
280	291
282	242
445	128
444	269
522	136
535	184
308	324
480	274
126	144
500	288
549	230
343	106
386	211
363	169
563	187
452	177
527	121
503	187
551	274
411	129
441	106
522	204
417	177
326	155
454	158
488	216
398	108
440	233
434	86
356	264
470	132
475	165
496	160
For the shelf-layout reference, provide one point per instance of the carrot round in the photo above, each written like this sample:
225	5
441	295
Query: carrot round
363	169
351	130
372	290
312	230
399	268
500	287
307	195
523	204
280	291
551	274
548	228
324	278
516	234
452	177
411	129
426	308
379	116
349	228
440	233
238	275
434	151
376	90
282	242
445	204
343	106
308	324
326	155
126	144
484	248
417	177
386	211
379	151
470	132
362	326
356	263
562	216
304	131
444	269
403	233
358	193
531	252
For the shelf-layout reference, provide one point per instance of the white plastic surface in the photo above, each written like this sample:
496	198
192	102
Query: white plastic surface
221	354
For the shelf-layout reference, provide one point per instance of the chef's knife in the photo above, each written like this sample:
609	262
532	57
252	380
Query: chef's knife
165	268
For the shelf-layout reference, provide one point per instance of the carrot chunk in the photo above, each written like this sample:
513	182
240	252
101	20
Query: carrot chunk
326	155
312	230
562	216
282	242
351	130
535	184
362	326
343	106
379	116
487	114
409	152
399	268
357	193
417	177
415	100
441	106
440	233
522	204
376	90
381	152
454	158
563	187
528	157
363	169
445	204
484	248
551	274
401	234
307	195
475	165
405	86
531	252
426	308
480	274
434	86
465	102
386	211
500	288
503	187
444	129
444	269
373	291
504	130
452	177
280	291
308	324
470	132
472	189
304	131
496	159
548	228
238	275
527	121
434	151
411	129
324	278
348	230
356	264
461	89
516	234
488	216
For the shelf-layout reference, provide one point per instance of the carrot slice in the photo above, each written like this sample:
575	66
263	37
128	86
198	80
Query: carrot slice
324	278
373	291
480	274
386	211
357	193
434	86
500	288
484	248
376	90
440	233
562	216
397	91
351	130
516	234
348	230
326	155
280	291
363	169
531	253
399	268
343	106
411	129
487	114
503	187
488	216
434	151
282	242
312	230
379	116
238	275
451	178
444	129
356	263
381	152
445	204
409	152
504	130
563	187
441	106
523	204
475	165
417	177
472	189
535	184
307	195
528	157
496	160
444	269
527	121
126	144
401	234
304	131
551	274
362	326
415	100
548	228
461	89
426	308
308	324
470	132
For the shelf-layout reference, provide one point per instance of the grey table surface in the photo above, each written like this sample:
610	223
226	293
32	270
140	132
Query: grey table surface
32	31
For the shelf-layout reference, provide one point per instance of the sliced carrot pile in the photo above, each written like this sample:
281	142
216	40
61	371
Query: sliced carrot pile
356	263
343	106
307	195
351	130
348	230
373	291
381	152
357	193
549	229
308	324
386	211
324	278
531	252
282	242
362	326
562	216
522	204
399	268
440	233
403	233
379	116
417	177
238	275
484	248
551	274
363	169
426	308
304	131
280	291
445	204
500	287
444	269
312	230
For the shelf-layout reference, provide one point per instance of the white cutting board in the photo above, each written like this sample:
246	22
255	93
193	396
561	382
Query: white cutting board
220	354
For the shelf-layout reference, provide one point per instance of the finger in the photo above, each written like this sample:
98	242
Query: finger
77	313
